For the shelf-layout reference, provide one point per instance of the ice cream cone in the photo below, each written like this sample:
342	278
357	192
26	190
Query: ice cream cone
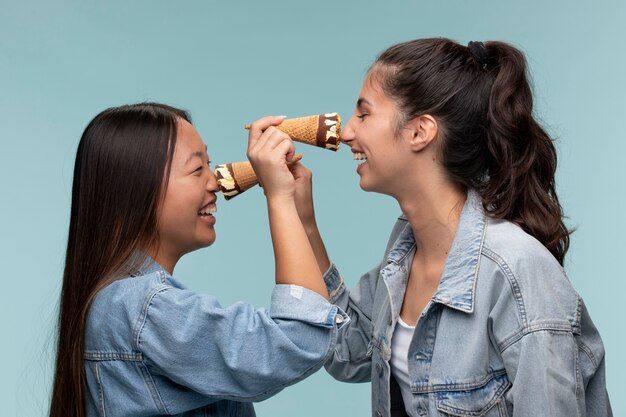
321	130
237	177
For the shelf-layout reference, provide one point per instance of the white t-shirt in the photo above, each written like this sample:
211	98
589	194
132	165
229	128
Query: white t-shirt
400	341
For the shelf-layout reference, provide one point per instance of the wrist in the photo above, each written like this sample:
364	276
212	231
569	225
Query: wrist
280	201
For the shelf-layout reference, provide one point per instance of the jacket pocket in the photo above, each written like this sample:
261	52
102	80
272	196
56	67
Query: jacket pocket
478	401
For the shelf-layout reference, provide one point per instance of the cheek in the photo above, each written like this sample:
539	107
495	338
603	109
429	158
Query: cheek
175	210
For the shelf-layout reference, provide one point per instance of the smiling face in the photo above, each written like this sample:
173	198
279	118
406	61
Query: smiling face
373	137
186	221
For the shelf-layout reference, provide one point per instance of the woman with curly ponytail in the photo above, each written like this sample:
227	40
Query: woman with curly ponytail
469	312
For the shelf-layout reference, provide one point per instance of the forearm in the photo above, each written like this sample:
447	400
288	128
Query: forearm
295	259
319	249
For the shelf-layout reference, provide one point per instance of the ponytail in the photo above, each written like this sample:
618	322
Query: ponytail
490	141
521	156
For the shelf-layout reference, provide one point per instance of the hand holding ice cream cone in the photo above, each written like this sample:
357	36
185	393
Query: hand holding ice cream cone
236	177
321	130
269	149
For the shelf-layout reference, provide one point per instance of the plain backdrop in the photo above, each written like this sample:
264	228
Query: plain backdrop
230	62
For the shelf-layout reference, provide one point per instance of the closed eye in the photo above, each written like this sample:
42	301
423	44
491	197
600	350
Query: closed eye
362	116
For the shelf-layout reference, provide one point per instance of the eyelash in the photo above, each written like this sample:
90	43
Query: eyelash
198	171
361	116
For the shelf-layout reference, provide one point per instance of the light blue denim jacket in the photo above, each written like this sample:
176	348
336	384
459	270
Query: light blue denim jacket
156	348
504	334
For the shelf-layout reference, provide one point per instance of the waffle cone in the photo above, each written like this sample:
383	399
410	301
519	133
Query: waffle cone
244	175
321	130
301	129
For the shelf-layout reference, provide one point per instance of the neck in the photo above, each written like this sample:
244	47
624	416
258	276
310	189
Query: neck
166	260
433	213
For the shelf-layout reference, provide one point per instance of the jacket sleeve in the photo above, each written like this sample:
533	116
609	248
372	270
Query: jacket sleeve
591	355
196	349
351	358
557	370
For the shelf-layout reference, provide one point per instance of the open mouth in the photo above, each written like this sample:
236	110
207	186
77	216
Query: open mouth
208	210
358	156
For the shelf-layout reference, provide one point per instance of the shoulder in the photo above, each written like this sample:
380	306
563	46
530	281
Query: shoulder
118	308
528	274
510	242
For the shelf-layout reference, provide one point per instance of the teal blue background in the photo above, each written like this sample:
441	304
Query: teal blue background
228	63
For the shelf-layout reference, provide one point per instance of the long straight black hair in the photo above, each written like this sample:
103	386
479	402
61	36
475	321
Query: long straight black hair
490	141
120	174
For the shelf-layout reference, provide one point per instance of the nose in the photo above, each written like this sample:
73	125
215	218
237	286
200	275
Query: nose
211	184
347	133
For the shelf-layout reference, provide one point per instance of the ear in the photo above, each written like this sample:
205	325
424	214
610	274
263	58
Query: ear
423	131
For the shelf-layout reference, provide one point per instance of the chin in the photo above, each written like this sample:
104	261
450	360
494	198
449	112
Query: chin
206	241
365	186
209	242
373	188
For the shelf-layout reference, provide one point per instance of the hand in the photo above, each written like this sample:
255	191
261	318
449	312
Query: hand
304	194
269	149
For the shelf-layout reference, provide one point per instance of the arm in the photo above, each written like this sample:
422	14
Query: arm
210	352
351	358
268	150
351	361
541	368
306	212
554	366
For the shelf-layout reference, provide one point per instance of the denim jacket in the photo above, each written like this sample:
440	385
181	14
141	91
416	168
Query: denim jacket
504	334
156	348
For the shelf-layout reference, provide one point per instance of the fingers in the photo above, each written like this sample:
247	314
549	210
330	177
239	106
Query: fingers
257	128
268	142
294	159
281	144
300	171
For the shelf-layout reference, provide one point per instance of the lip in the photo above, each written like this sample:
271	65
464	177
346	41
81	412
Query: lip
213	201
210	220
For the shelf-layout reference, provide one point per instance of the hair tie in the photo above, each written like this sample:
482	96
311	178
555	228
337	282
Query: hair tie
479	52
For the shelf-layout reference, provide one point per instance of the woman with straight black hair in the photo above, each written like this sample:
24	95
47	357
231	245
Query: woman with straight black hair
132	341
469	312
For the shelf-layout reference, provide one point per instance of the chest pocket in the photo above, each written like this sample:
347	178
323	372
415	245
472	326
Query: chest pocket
484	401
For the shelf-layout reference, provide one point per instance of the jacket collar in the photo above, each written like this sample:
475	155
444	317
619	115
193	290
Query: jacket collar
458	282
457	287
141	264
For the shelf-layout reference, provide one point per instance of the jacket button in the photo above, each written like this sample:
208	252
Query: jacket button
421	411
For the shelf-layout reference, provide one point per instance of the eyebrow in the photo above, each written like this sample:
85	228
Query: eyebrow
362	101
199	154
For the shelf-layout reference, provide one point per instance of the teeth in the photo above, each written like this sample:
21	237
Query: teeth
358	156
209	210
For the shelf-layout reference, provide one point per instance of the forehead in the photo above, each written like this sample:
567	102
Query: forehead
188	142
372	94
